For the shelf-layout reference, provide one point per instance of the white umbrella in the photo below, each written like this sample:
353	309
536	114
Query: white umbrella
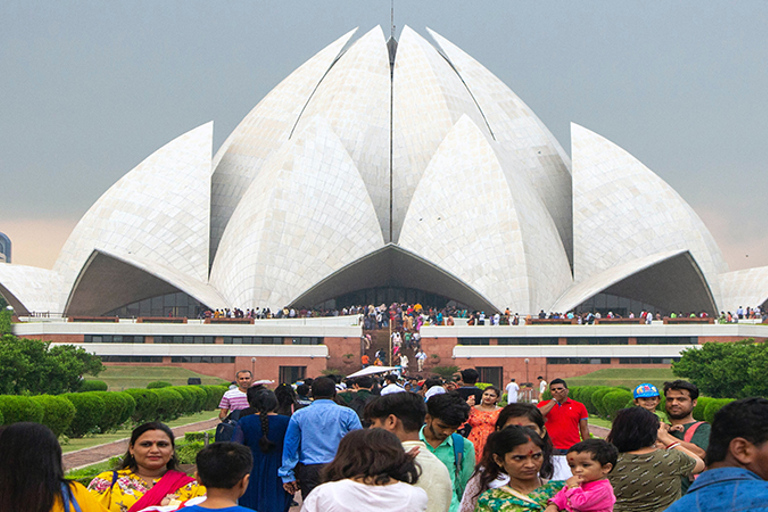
372	370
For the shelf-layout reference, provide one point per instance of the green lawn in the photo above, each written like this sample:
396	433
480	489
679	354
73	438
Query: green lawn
119	378
629	377
71	445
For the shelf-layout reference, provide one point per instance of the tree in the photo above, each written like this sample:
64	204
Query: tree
34	367
726	370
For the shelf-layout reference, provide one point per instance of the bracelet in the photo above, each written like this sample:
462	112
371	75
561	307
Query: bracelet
672	446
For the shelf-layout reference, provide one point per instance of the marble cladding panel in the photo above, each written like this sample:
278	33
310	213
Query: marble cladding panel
307	216
158	211
35	288
745	288
261	133
479	238
354	99
428	98
536	152
623	211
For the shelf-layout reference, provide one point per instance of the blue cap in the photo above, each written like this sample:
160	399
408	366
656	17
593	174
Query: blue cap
645	391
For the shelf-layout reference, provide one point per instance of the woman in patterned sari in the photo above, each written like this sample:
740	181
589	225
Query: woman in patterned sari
520	453
147	475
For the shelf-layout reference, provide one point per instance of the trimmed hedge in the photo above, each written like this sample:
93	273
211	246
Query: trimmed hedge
159	384
597	399
93	385
89	408
146	405
214	398
119	406
170	404
714	405
616	400
20	408
701	405
58	412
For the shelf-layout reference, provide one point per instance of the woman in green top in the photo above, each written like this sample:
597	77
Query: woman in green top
520	452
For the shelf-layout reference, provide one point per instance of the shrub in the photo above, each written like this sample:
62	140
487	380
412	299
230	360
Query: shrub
701	406
92	385
202	397
146	405
20	408
58	412
89	411
585	397
187	453
713	406
615	400
597	399
159	384
119	406
216	393
1	418
199	436
170	404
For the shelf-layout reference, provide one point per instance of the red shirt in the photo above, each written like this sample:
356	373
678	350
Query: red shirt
563	422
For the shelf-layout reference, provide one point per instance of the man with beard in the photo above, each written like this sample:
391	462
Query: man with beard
681	398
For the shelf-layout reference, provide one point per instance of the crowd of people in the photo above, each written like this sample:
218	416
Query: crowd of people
405	317
417	445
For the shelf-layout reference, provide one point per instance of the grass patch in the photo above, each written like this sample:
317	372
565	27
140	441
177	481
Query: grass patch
71	445
600	422
629	377
120	378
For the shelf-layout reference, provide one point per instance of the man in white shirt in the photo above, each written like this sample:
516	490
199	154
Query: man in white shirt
542	387
391	386
403	415
512	389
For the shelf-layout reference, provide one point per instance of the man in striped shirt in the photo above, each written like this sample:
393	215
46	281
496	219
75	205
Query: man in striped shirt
236	399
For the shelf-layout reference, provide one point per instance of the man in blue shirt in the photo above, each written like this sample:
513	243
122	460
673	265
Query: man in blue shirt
737	461
313	436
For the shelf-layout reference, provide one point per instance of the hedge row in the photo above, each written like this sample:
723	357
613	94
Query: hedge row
606	401
77	414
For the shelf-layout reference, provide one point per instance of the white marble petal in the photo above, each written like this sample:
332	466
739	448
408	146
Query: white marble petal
353	98
622	211
159	211
240	159
498	239
746	288
530	147
31	289
428	98
307	215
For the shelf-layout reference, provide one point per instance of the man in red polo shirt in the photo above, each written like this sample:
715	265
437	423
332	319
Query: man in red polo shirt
566	424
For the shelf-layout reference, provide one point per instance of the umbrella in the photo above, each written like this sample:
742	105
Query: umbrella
372	370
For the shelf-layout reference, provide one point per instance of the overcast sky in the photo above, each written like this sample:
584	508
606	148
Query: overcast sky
90	89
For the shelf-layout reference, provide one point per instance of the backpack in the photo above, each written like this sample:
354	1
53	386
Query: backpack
458	462
225	430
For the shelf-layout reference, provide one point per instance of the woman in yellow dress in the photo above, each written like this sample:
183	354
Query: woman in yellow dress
147	475
32	476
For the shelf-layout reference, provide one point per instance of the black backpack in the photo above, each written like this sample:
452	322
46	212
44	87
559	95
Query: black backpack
225	430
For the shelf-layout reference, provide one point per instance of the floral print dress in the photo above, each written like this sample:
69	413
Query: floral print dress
506	499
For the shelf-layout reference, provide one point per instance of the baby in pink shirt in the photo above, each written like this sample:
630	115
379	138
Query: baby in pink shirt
588	490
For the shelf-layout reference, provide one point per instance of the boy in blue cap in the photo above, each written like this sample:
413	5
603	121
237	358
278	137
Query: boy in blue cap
647	396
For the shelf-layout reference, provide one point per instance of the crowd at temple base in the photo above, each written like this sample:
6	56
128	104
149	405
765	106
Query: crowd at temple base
373	444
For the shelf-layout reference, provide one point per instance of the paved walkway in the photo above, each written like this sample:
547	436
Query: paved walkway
96	454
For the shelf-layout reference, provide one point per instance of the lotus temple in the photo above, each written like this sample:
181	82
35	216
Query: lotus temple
379	171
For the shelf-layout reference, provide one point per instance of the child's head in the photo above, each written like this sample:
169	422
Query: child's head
646	396
224	466
592	459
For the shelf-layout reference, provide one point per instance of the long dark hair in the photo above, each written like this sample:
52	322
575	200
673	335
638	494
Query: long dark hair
530	411
31	473
264	401
502	442
286	399
129	462
373	454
